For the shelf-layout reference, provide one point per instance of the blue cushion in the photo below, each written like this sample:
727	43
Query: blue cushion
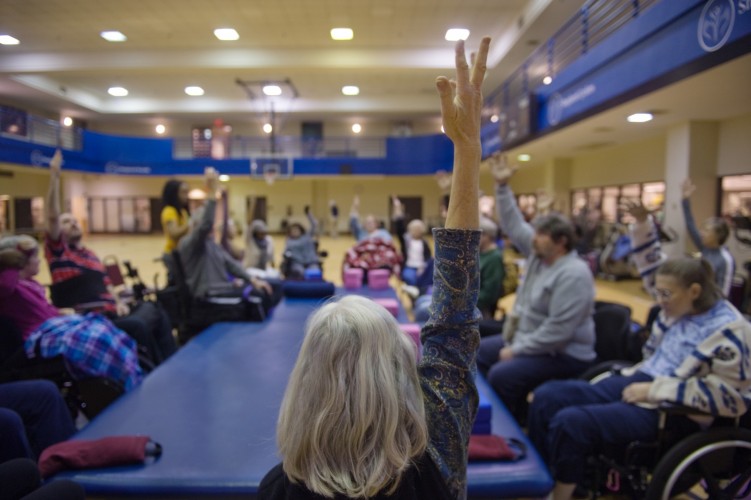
308	289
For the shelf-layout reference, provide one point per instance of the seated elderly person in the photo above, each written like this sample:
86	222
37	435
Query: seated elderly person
91	345
370	228
697	355
208	267
80	281
259	251
299	253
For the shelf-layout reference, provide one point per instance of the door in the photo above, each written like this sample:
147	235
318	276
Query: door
256	207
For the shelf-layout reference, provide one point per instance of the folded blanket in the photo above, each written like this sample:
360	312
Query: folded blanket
91	454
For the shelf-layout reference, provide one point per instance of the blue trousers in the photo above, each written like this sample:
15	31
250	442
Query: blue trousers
512	380
571	420
33	416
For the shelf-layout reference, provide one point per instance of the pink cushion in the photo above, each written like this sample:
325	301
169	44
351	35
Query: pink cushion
353	278
413	331
391	305
378	279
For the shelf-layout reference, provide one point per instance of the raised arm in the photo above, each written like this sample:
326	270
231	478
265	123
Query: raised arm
687	189
645	244
354	219
450	337
52	207
512	222
201	231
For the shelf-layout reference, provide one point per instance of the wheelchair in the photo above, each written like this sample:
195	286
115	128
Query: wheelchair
686	461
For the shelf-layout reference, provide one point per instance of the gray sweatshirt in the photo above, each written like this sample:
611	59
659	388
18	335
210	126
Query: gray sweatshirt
554	304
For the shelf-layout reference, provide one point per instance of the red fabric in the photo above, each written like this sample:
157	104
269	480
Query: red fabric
91	454
489	447
373	253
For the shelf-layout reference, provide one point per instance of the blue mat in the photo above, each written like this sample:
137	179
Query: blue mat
213	407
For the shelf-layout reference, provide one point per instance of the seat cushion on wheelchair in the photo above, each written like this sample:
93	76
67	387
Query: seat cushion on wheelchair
308	289
313	275
413	332
378	279
391	305
353	278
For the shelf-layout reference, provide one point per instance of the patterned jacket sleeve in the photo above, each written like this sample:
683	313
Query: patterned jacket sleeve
647	251
716	377
450	340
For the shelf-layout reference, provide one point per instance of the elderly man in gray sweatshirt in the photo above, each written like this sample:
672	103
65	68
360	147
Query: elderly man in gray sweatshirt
549	333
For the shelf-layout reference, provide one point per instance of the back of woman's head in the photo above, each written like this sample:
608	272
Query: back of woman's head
687	271
22	243
171	195
352	418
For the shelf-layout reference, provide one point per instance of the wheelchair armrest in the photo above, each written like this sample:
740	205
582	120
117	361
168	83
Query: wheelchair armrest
611	367
671	408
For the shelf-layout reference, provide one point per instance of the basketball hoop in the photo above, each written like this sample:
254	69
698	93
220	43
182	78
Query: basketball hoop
270	176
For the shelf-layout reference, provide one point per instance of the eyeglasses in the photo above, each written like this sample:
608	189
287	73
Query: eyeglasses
663	294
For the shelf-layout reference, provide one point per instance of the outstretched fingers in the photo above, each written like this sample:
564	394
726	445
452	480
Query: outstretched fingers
479	63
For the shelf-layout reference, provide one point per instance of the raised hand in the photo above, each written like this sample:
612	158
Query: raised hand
56	162
211	176
687	188
500	169
635	209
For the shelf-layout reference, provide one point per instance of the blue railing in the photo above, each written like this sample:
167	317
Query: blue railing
595	21
20	125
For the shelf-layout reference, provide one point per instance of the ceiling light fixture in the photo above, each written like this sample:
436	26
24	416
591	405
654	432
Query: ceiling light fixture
640	117
113	36
8	40
454	34
524	157
160	129
67	121
117	91
342	34
226	34
194	91
350	90
267	128
547	80
272	90
356	128
493	118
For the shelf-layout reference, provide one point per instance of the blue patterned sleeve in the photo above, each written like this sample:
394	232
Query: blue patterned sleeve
450	340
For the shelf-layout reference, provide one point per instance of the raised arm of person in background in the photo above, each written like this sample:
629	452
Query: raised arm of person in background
645	244
226	239
687	189
450	337
354	219
197	236
52	206
520	232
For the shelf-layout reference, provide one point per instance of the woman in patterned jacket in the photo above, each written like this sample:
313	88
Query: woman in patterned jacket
698	355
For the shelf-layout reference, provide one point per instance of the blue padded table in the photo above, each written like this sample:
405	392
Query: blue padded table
213	408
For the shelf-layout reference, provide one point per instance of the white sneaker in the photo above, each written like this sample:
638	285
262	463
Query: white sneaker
410	290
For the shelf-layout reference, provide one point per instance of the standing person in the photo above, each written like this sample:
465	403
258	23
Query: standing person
80	280
175	213
710	241
549	332
333	218
697	356
360	418
415	249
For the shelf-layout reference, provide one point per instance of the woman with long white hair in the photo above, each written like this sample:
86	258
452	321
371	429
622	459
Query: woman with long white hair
360	417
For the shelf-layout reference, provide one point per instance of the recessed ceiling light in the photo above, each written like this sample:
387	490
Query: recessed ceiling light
8	40
194	91
523	157
455	34
117	91
267	128
224	178
356	128
226	34
640	117
272	90
350	90
494	118
160	129
342	34
547	80
113	36
67	121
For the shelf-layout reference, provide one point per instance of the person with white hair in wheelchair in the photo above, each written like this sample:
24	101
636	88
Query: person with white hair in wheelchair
698	355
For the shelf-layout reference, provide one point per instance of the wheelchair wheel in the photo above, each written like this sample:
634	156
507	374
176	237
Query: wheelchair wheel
715	464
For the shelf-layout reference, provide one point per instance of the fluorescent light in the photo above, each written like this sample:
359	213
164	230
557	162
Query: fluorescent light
8	40
443	130
267	128
455	34
272	90
224	178
494	118
547	80
640	117
194	91
356	128
67	121
350	90
226	34
113	36
160	129
342	34
523	157
117	91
